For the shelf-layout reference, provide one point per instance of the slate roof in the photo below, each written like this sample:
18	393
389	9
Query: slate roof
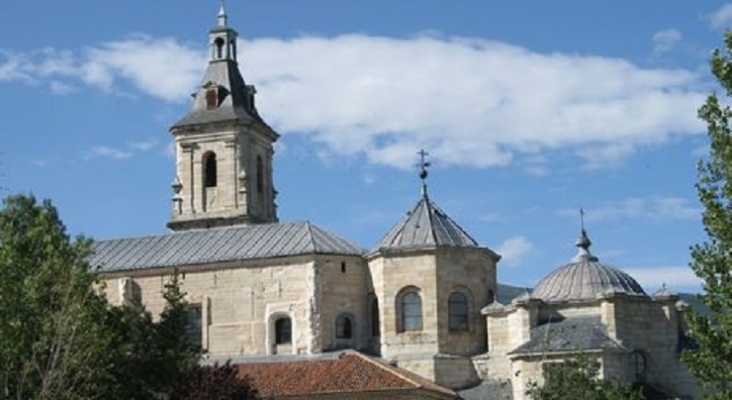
426	225
585	278
224	73
351	372
216	245
488	390
571	334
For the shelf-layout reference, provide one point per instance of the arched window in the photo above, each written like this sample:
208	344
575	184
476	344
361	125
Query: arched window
283	330
457	306
260	175
344	327
375	328
410	305
219	42
209	170
639	365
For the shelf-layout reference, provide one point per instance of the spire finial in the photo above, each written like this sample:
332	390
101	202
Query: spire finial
222	14
423	173
582	219
584	242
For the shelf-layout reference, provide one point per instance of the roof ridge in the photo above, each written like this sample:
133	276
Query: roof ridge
398	372
311	237
430	218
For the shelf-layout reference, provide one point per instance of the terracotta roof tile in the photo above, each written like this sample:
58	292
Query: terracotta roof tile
351	372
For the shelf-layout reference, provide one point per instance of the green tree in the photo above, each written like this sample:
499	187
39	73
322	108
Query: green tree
51	345
711	359
577	378
61	339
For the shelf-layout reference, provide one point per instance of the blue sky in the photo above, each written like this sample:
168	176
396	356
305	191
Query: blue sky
530	110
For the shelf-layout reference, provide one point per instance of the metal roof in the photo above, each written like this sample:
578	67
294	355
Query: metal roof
585	278
426	225
217	245
224	73
571	334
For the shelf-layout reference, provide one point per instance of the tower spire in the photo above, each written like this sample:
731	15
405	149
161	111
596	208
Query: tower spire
222	19
423	173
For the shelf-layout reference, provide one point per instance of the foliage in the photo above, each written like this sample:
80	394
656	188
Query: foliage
61	339
711	359
149	357
578	378
220	382
51	345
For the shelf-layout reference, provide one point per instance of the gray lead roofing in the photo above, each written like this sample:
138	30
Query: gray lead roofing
426	225
218	245
571	334
585	278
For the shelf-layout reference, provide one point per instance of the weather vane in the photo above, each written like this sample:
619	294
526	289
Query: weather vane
423	164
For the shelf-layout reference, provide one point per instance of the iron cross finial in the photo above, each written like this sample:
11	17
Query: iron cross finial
423	173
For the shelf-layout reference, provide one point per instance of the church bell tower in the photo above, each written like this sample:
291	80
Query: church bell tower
223	148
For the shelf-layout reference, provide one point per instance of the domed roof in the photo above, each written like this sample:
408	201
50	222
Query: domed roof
585	278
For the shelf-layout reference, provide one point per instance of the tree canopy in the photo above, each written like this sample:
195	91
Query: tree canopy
61	339
711	359
578	378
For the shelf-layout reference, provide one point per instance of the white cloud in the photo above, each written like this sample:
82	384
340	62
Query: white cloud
144	145
664	41
61	88
672	277
470	102
107	152
514	249
13	68
132	149
661	208
722	17
486	106
161	68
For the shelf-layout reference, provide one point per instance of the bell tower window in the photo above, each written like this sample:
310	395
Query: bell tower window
219	44
209	171
212	99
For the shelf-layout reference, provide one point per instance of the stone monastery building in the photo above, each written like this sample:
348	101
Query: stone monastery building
420	308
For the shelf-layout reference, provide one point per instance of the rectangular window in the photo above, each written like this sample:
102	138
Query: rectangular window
194	330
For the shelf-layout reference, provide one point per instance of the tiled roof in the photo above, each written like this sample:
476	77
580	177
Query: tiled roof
426	225
216	245
571	334
351	372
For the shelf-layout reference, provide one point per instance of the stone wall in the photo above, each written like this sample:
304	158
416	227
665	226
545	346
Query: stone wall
651	328
392	275
241	302
471	272
342	287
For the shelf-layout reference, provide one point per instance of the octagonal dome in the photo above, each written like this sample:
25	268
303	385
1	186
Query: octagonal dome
585	278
